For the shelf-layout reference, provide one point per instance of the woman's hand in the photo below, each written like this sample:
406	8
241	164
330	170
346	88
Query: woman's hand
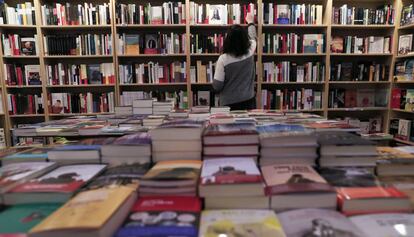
249	18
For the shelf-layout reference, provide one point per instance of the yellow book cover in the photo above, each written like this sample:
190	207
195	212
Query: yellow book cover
386	152
176	169
233	223
76	214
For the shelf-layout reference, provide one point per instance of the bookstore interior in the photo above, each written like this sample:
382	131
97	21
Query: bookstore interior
111	123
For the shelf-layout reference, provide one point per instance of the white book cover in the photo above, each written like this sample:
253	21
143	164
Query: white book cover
385	225
217	14
246	223
78	172
18	171
214	170
317	222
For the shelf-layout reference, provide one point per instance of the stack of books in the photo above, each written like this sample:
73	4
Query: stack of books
220	110
153	120
75	154
297	186
162	107
142	107
231	140
179	139
393	161
287	144
128	149
232	183
171	178
199	112
345	149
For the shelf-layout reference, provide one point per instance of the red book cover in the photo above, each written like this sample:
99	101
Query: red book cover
64	179
14	103
350	98
168	203
395	98
19	75
230	129
31	109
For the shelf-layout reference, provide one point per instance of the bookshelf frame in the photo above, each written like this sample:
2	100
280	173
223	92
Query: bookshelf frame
327	27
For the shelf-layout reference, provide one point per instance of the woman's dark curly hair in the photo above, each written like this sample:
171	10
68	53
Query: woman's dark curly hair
237	42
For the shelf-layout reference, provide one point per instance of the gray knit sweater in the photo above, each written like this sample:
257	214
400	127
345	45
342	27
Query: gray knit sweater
234	77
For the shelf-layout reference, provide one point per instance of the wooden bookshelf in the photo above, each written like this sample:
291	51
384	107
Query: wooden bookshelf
117	59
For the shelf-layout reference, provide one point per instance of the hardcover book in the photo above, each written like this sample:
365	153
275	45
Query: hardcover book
34	154
349	177
385	225
315	222
175	216
263	223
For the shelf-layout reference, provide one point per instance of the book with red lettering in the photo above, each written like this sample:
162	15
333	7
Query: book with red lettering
56	186
230	177
163	216
369	200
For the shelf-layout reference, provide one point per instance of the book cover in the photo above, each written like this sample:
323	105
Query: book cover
174	170
349	177
203	98
217	14
349	193
396	98
15	172
409	100
317	222
76	213
230	171
34	153
217	223
404	129
28	46
384	225
94	74
405	44
33	74
289	178
132	44
281	130
182	123
230	129
21	218
366	97
341	139
337	44
141	138
156	15
350	98
151	44
67	178
163	216
69	148
390	155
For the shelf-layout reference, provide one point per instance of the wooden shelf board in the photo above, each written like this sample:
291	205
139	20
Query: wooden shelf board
205	54
302	110
361	54
80	86
201	84
78	114
364	27
410	55
74	27
294	26
152	55
406	27
155	84
359	82
213	26
403	111
403	82
403	141
76	56
24	87
18	27
26	115
133	26
294	55
22	57
293	83
358	109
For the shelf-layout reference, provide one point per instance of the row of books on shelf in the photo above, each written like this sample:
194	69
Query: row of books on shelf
352	98
202	72
22	75
25	104
2	139
293	43
405	44
220	14
404	70
16	45
203	43
292	99
407	15
64	14
361	45
61	103
402	99
205	98
22	14
82	44
360	71
180	98
293	72
152	73
294	14
161	43
367	127
350	15
402	129
167	13
80	74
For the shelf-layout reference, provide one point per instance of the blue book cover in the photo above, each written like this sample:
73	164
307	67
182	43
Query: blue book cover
38	152
77	148
280	128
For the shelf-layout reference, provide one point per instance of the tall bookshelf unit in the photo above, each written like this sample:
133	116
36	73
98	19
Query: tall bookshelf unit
327	58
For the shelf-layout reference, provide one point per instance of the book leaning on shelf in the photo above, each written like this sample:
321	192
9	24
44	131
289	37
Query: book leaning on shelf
293	72
295	14
82	44
351	98
288	99
80	74
152	73
402	129
405	44
159	43
407	15
16	45
292	43
22	75
361	45
76	14
22	14
25	104
206	43
361	71
404	70
61	103
220	14
402	99
167	13
350	15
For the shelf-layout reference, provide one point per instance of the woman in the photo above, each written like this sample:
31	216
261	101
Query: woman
236	68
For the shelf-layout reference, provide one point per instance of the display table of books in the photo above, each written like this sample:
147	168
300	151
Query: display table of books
230	174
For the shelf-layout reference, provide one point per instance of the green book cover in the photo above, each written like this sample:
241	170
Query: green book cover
21	218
